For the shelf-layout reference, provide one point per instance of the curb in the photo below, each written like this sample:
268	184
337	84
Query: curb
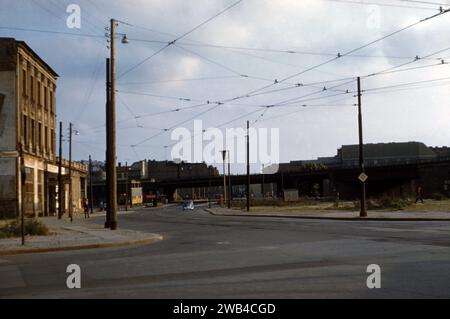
398	219
82	247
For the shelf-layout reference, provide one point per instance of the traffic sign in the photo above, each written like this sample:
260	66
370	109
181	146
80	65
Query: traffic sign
363	177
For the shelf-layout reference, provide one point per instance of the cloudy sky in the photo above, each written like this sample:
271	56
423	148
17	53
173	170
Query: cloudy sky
246	49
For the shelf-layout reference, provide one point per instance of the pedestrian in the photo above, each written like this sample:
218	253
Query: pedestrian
86	208
419	195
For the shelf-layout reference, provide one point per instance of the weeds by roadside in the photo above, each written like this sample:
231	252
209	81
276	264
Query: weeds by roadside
32	227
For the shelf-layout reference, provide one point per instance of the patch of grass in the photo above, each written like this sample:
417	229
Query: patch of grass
32	227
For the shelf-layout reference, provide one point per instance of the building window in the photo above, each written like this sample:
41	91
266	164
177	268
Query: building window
32	87
46	138
52	106
52	139
39	92
32	129
39	133
25	129
24	83
45	98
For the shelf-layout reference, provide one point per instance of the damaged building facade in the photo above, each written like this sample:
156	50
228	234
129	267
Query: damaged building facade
28	162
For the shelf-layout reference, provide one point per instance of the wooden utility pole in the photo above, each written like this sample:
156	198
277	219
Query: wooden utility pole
107	107
60	179
70	174
363	211
248	166
111	133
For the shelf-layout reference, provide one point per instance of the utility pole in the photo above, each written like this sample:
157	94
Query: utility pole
70	174
111	133
22	195
107	107
126	186
230	188
363	211
262	185
209	188
91	193
248	166
224	155
60	180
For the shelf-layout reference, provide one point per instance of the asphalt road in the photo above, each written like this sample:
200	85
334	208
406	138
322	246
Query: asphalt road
205	256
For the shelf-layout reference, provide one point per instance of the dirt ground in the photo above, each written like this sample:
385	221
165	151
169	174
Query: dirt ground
429	205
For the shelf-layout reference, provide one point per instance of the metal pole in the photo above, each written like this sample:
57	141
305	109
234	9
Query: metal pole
230	188
108	177
70	174
60	180
248	166
224	153
363	211
91	192
112	187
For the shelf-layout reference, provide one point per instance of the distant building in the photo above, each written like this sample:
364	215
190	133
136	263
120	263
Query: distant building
27	130
165	170
341	171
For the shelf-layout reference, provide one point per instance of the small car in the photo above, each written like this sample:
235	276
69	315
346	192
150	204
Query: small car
188	205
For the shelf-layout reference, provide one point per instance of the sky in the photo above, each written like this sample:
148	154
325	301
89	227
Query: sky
247	48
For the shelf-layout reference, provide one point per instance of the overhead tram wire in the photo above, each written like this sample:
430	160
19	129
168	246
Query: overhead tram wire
211	61
385	71
176	125
339	55
425	86
382	4
221	125
292	51
352	80
427	2
46	9
53	32
405	84
178	38
101	127
90	89
206	78
302	98
349	52
389	70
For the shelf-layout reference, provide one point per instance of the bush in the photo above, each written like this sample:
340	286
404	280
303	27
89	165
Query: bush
32	227
385	203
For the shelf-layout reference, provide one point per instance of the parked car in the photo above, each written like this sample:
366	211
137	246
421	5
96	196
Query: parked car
188	205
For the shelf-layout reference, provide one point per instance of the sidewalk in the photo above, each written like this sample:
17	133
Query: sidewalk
337	215
74	236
